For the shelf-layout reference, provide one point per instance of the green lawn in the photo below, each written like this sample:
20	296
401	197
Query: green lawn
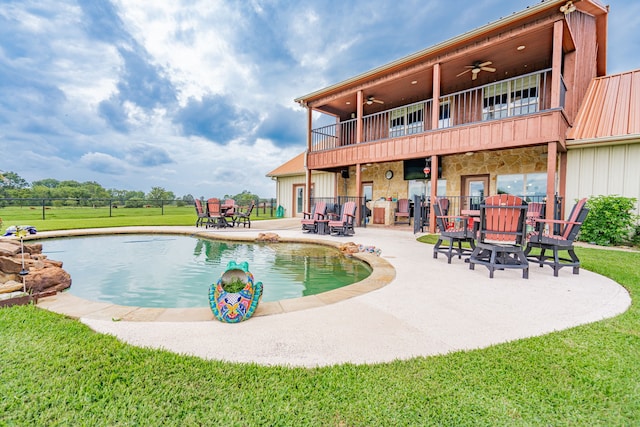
56	371
67	218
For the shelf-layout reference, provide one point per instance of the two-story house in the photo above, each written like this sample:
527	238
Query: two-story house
479	114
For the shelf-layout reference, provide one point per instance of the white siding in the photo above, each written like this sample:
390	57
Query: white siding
604	170
323	186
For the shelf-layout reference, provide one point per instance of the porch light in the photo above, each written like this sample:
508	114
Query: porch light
426	170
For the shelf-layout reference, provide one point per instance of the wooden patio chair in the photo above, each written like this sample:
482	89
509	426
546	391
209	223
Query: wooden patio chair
454	229
535	210
244	218
310	219
214	214
229	209
344	225
401	214
200	212
501	235
544	238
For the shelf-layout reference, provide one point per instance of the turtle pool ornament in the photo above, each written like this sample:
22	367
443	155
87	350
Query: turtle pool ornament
236	295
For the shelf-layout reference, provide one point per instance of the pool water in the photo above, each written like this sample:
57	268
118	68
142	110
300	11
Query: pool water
176	271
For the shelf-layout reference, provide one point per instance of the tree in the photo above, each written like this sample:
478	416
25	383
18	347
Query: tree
244	198
12	181
49	183
158	193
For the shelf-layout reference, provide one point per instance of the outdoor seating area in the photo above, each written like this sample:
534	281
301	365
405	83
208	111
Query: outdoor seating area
319	221
219	214
508	233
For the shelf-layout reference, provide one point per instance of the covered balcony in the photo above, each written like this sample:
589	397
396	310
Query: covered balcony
518	96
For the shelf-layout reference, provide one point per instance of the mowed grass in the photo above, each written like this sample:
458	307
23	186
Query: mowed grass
67	218
56	371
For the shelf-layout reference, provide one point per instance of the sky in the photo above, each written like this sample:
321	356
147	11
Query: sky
196	96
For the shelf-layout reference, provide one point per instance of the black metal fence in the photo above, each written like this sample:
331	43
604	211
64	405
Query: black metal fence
264	207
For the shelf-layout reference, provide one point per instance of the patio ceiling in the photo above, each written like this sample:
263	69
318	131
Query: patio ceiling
415	83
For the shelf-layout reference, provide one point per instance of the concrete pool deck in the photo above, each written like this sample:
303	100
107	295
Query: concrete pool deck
428	308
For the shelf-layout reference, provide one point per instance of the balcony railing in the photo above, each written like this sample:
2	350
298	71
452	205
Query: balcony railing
517	96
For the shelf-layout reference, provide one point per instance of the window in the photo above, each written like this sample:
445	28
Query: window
444	116
417	187
511	98
415	119
396	122
532	186
422	188
406	120
442	187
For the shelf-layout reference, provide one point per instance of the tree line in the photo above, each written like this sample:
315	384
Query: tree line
13	186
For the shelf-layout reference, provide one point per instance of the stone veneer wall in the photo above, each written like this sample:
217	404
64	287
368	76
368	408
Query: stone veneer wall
504	162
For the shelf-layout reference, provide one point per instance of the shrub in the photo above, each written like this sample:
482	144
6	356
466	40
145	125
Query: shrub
611	220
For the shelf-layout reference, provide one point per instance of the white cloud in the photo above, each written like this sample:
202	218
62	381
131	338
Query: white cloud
122	92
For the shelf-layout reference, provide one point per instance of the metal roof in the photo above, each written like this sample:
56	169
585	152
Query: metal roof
610	110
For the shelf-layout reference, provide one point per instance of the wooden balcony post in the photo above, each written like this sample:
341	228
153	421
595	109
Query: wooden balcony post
435	108
556	64
359	110
435	160
562	180
358	192
552	163
307	193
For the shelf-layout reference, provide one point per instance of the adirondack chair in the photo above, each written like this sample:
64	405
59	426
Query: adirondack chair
456	230
344	224
501	235
244	218
545	238
401	214
310	219
200	212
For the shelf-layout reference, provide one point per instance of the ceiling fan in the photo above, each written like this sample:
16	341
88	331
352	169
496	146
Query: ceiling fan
476	68
371	99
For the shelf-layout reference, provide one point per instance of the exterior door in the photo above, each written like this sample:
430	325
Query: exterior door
298	199
474	189
367	193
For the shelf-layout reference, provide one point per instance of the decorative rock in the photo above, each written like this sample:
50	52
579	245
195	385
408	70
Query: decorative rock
45	276
51	277
10	265
268	237
10	286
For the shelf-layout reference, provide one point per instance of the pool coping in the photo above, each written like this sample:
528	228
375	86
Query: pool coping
72	306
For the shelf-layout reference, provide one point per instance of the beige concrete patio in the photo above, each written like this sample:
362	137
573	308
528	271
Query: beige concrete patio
413	305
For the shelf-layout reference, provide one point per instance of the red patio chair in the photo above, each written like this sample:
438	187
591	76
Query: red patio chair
244	218
200	212
214	214
402	212
456	230
344	225
310	219
544	237
501	235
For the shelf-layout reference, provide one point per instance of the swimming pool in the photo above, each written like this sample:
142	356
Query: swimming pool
175	271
